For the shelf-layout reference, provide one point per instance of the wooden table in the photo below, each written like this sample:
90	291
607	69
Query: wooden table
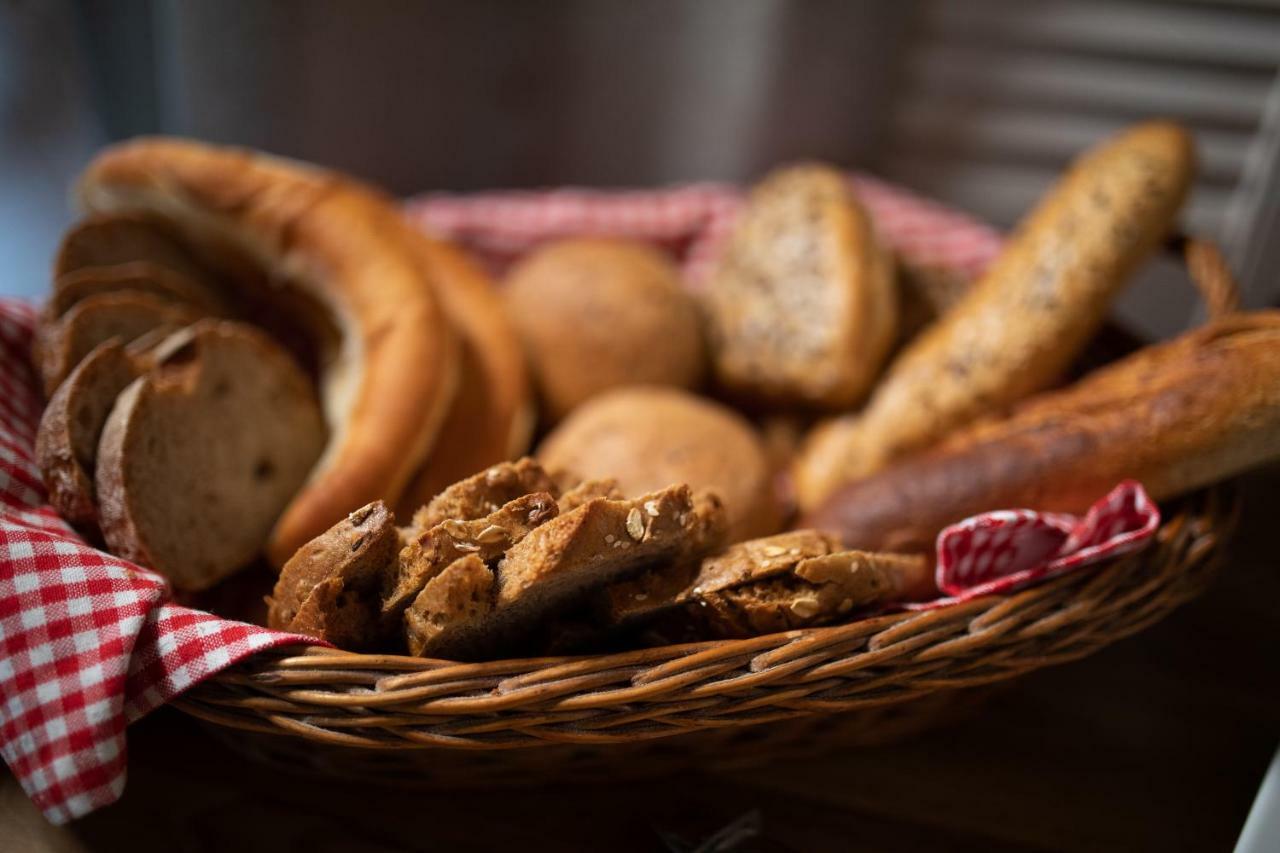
1157	743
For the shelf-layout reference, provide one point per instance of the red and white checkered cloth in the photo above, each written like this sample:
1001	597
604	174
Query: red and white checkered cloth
89	643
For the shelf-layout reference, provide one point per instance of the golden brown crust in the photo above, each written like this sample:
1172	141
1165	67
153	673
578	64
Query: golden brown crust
330	588
1018	328
647	438
1175	417
485	492
596	314
491	418
802	306
387	387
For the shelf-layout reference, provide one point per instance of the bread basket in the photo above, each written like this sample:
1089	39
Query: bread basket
397	719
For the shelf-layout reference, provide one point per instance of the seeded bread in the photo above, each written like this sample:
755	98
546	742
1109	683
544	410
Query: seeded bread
488	537
198	457
588	490
492	415
647	438
345	251
330	589
802	306
597	314
60	343
1017	329
486	492
67	439
465	615
139	276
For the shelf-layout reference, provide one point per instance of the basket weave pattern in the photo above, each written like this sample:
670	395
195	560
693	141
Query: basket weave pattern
393	702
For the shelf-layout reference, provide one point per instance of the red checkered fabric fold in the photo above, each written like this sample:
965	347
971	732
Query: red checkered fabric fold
89	643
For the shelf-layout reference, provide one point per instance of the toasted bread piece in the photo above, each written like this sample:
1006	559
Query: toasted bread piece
141	276
486	492
432	550
67	440
648	438
331	588
587	490
451	612
61	342
781	595
492	415
596	314
802	306
198	457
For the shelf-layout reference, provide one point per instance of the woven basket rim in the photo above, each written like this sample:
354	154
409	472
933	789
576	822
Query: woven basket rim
397	702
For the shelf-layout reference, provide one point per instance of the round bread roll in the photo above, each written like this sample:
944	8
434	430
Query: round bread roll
328	245
596	314
650	437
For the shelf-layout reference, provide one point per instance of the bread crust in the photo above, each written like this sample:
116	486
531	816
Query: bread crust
1175	417
1016	331
491	418
802	306
388	386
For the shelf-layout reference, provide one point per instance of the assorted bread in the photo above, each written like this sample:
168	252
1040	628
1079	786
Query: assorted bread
249	357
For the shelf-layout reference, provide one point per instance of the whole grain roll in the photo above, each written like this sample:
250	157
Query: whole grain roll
596	314
1175	417
649	437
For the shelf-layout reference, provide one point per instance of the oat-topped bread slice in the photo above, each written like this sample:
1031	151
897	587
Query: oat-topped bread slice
60	343
331	588
794	580
462	614
588	490
486	492
67	440
488	537
199	456
133	277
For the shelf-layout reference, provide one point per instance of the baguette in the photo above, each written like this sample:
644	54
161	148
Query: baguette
329	243
1019	327
1175	417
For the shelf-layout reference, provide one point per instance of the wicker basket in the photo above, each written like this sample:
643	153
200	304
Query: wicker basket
394	719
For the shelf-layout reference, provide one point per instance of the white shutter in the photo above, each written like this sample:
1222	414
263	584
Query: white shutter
997	95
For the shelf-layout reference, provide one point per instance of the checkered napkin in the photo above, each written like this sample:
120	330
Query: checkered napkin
89	643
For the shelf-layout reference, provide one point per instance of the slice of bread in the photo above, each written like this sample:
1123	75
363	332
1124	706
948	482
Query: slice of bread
139	276
588	490
107	239
198	457
487	537
67	440
60	343
483	493
463	614
331	588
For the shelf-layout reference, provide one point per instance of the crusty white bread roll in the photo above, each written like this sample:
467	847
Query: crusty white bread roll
387	382
1016	331
492	416
1175	417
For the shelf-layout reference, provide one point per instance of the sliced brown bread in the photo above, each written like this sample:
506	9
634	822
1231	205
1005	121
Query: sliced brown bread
60	343
107	239
452	612
587	490
199	456
488	537
137	277
67	440
484	493
331	588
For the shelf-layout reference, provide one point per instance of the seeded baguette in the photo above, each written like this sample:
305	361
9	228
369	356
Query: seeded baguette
802	307
485	492
201	454
1175	417
337	246
1018	328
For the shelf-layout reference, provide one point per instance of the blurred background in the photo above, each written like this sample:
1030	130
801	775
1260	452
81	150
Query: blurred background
979	103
